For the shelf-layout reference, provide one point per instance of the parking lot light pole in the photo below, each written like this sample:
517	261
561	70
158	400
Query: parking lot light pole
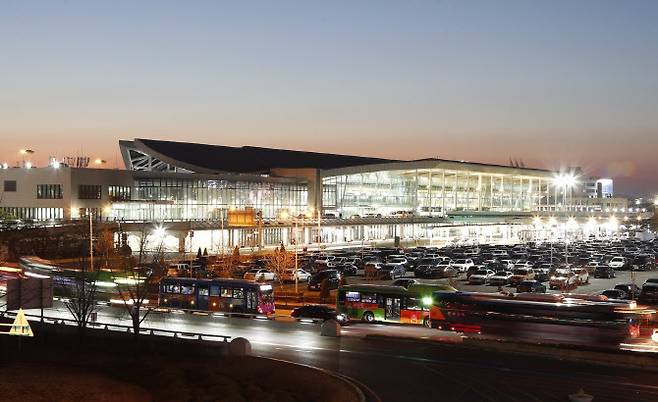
296	259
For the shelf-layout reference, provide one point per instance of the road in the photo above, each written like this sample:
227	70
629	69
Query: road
412	370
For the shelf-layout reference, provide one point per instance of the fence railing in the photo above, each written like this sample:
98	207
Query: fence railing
124	328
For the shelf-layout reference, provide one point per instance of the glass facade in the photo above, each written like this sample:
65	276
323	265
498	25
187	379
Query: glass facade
40	214
207	199
433	192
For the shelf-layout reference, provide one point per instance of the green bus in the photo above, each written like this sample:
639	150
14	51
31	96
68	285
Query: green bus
387	303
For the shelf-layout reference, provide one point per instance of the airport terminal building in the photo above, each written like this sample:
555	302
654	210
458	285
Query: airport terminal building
252	196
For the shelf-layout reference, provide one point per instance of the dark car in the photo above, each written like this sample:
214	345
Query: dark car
531	287
649	293
631	289
615	294
604	271
392	271
542	274
644	262
404	282
331	275
473	269
346	269
318	312
441	271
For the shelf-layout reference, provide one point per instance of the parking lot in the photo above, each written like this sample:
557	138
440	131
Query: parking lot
639	264
594	287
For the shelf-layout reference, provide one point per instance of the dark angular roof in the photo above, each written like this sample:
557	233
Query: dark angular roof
248	159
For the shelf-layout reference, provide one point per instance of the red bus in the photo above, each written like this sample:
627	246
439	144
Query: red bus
216	295
538	317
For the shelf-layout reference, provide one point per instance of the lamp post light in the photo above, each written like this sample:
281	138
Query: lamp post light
26	151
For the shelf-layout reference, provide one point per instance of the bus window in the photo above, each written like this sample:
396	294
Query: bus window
412	303
203	291
187	289
353	296
251	301
369	298
226	292
214	290
170	289
238	293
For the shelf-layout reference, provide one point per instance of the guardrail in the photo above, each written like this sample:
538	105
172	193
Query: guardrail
124	328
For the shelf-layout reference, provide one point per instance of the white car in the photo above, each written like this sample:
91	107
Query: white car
259	274
582	275
463	264
563	279
500	278
617	262
300	275
592	265
481	276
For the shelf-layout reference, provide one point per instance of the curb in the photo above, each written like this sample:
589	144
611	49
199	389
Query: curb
355	385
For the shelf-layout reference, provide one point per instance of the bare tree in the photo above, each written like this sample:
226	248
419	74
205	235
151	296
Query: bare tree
105	246
135	274
82	303
279	261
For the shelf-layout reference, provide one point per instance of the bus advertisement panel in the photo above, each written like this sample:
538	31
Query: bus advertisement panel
384	303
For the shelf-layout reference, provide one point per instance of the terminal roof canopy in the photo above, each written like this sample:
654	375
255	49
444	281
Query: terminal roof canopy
186	157
205	158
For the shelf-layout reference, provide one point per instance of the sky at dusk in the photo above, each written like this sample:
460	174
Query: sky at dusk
572	83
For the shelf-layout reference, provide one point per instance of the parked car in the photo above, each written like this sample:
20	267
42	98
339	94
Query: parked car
582	275
563	279
331	275
392	271
632	290
371	269
462	264
644	262
318	312
259	274
542	274
289	275
604	271
649	293
501	278
473	269
438	271
404	282
481	276
346	269
615	294
531	287
522	274
618	263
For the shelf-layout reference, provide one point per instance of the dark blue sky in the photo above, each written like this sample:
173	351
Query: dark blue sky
553	82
